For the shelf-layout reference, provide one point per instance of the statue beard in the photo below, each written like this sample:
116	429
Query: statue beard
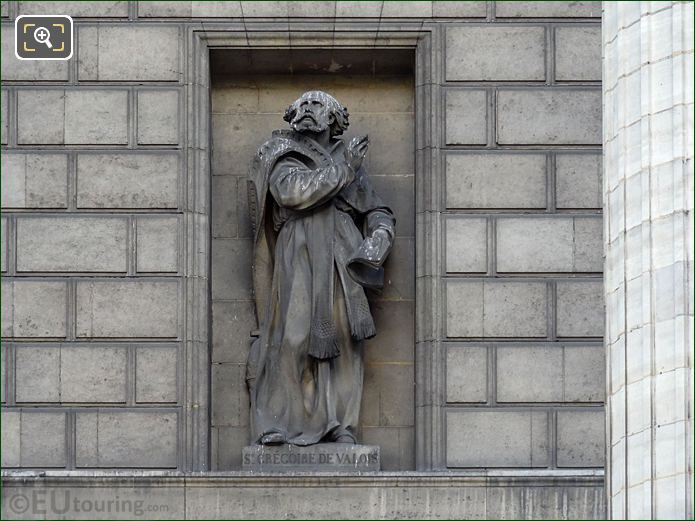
307	121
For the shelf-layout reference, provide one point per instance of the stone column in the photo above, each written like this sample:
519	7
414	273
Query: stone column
648	208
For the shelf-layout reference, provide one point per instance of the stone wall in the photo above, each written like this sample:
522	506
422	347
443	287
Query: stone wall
99	274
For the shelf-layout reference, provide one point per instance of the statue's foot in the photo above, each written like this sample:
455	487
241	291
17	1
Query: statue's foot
345	438
274	438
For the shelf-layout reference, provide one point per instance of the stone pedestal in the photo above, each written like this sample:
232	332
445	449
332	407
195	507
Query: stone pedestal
328	457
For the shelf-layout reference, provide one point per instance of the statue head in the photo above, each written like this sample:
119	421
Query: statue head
316	111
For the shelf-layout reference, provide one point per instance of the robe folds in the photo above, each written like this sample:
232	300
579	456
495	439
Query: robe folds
310	214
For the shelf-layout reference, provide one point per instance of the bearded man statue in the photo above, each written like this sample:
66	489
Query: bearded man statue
321	235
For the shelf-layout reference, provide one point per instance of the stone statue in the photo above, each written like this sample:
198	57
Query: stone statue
321	235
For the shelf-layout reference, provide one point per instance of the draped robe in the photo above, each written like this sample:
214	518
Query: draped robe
305	369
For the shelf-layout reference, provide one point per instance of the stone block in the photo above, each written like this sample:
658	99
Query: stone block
395	325
234	128
134	53
225	207
578	181
232	323
398	193
529	374
37	374
391	142
578	53
33	309
228	444
3	372
98	117
580	309
165	9
3	244
464	309
396	446
581	438
495	53
34	180
93	374
156	370
512	309
158	117
466	374
508	9
459	9
14	69
417	9
10	425
549	117
46	127
466	245
127	180
495	180
399	271
466	117
42	439
229	385
101	9
143	439
496	438
322	457
158	244
388	398
585	373
72	244
264	9
133	309
231	269
549	244
318	9
4	9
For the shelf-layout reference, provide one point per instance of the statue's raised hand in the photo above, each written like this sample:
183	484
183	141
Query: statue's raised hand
355	151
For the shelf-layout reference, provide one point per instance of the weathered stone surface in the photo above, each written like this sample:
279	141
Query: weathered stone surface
28	70
516	9
395	323
130	309
578	53
42	439
581	438
37	374
495	181
93	374
398	193
578	180
530	374
466	245
457	9
71	244
580	309
96	116
152	51
11	423
33	309
4	120
158	117
495	53
585	373
85	116
127	180
34	180
388	396
158	244
127	439
232	323
155	374
229	382
466	374
323	457
549	116
231	269
101	9
466	117
3	244
549	244
495	309
395	446
520	438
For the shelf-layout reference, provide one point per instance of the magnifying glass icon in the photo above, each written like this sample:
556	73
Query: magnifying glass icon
42	35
